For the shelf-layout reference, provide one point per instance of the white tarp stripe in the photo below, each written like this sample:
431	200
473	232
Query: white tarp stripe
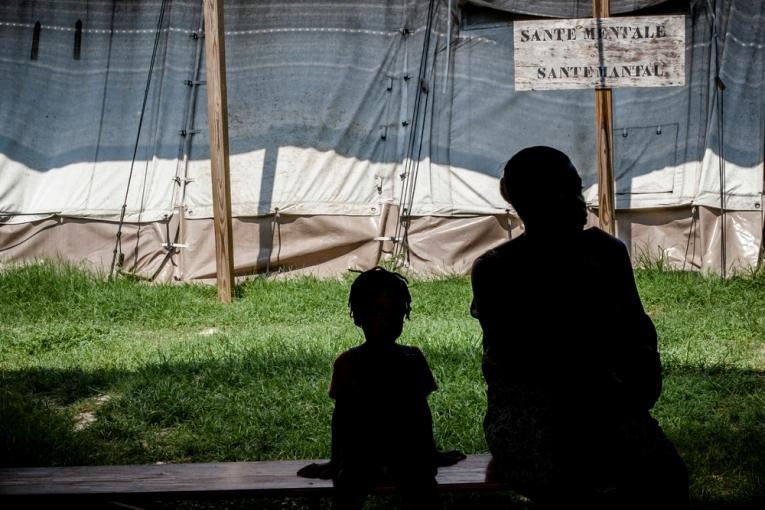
460	37
59	28
392	33
305	121
743	43
97	72
289	30
301	64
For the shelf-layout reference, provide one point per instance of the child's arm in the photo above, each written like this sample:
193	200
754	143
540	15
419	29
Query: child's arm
427	384
339	431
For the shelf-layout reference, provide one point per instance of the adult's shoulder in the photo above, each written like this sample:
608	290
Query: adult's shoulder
408	349
606	249
499	255
603	240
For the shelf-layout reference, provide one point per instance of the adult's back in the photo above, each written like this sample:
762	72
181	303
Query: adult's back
570	357
568	318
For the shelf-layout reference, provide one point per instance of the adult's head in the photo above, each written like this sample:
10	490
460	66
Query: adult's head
545	189
379	301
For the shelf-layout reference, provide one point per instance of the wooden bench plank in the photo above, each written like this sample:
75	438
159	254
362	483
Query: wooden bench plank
227	479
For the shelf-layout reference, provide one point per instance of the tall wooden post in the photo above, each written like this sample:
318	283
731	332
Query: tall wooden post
217	114
604	126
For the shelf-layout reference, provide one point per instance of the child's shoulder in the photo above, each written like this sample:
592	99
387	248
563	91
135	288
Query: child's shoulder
358	366
347	357
364	352
410	350
406	351
412	357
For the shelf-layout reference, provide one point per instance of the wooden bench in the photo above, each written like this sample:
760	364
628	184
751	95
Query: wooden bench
197	480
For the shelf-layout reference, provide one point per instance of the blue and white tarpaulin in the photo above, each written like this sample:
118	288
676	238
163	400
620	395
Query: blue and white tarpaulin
323	98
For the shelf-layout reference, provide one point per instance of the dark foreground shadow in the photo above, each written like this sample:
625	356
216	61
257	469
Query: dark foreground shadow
267	407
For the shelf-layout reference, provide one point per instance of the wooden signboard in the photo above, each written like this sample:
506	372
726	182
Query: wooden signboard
647	51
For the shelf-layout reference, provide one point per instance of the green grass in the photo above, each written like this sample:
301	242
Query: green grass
170	375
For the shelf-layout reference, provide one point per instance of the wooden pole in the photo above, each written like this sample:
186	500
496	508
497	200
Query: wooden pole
217	114
604	126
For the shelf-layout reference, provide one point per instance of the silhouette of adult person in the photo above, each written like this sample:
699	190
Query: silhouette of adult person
569	356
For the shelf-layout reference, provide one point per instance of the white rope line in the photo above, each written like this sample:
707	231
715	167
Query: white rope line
743	43
461	37
94	30
260	31
69	70
393	33
324	65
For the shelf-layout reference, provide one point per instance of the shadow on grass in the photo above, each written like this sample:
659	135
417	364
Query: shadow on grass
246	408
716	418
275	407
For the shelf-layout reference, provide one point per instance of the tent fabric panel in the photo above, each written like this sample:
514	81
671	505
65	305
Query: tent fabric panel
684	237
68	126
300	245
321	106
89	243
448	246
742	106
689	238
314	108
663	135
318	103
743	239
480	122
470	129
558	9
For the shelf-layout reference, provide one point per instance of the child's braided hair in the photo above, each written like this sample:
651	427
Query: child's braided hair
370	284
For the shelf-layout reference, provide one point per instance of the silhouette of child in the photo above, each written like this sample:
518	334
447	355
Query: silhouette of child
382	428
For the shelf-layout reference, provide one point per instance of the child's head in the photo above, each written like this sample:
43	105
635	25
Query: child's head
379	301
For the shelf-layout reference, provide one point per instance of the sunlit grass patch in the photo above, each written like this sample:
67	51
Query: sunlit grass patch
191	380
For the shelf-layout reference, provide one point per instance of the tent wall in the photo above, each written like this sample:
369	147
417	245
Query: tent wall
68	126
685	238
88	242
565	9
322	105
